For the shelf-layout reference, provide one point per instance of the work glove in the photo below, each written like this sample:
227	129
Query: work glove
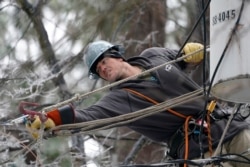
55	117
34	124
190	48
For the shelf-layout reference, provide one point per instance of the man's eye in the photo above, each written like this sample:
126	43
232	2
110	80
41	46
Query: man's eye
103	61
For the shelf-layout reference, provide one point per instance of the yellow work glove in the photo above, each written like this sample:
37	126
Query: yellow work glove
190	48
34	125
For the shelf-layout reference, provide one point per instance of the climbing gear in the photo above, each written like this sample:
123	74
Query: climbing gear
187	119
33	125
34	120
31	113
94	52
190	128
53	118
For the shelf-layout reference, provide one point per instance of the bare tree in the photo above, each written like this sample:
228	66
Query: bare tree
41	61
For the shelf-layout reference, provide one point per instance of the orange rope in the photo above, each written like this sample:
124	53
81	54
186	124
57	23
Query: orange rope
187	119
186	139
210	109
209	135
155	102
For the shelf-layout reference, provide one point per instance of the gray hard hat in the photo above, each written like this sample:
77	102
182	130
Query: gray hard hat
95	51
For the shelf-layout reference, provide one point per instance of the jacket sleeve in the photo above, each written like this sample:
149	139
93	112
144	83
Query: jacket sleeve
163	53
194	71
62	115
111	105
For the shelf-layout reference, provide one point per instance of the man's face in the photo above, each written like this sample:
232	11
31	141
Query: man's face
110	68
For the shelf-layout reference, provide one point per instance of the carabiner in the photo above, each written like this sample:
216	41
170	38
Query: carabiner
31	113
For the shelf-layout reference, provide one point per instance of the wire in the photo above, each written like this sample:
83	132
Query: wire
216	69
198	162
165	164
204	80
228	157
194	27
205	44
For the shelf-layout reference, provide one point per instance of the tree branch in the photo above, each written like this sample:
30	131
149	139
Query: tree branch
34	13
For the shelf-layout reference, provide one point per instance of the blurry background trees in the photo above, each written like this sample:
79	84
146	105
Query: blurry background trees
41	61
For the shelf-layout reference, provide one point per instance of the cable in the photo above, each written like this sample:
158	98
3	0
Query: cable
165	164
204	81
231	157
198	162
216	69
194	27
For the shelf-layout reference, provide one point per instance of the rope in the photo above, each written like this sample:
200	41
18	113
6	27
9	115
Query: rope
155	102
209	135
233	32
80	97
101	124
187	119
186	139
158	107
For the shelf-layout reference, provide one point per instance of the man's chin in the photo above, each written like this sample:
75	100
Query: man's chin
113	79
109	79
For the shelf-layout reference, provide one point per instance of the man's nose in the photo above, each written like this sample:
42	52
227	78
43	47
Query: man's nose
103	69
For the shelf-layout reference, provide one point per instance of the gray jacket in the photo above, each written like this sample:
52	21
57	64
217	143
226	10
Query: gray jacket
165	83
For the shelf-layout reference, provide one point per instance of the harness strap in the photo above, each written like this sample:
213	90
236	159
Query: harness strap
187	118
155	102
186	138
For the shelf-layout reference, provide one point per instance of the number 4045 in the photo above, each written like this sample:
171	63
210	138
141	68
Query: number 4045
224	16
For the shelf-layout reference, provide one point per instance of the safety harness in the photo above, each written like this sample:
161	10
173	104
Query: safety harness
176	143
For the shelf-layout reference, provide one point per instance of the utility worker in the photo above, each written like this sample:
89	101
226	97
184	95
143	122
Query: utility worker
106	61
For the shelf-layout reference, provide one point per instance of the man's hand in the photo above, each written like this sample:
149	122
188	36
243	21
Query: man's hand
55	117
35	124
190	48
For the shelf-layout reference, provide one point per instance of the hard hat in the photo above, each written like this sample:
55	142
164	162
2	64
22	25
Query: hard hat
94	51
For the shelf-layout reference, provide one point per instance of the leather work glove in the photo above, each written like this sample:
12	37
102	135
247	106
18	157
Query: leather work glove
34	125
55	117
190	48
